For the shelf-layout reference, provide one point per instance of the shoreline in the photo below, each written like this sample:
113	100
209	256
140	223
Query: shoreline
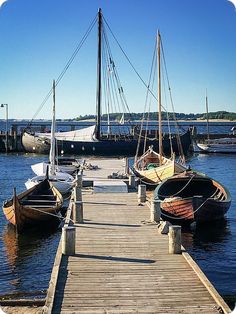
150	121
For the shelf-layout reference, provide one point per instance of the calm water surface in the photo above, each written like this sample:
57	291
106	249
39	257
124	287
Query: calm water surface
214	247
26	261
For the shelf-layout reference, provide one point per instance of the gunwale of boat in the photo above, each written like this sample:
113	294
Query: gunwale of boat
197	177
20	210
202	205
158	174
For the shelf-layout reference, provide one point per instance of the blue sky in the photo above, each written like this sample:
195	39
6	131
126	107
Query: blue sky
38	37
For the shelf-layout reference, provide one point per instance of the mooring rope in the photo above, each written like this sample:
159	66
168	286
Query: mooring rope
192	213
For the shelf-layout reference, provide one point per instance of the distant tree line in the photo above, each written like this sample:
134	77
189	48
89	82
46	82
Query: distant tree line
165	116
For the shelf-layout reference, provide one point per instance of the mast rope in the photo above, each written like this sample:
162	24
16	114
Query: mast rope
66	67
172	104
151	77
127	58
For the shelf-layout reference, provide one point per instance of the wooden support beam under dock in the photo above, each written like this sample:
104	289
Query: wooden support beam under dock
122	265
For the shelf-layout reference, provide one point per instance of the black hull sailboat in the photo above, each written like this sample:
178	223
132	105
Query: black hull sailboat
91	141
103	147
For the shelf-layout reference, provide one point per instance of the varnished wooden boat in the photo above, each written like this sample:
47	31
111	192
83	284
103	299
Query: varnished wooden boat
153	167
151	172
34	206
191	196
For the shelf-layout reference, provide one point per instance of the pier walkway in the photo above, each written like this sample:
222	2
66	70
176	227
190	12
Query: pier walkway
122	265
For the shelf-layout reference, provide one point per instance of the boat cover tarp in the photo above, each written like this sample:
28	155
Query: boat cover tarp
83	135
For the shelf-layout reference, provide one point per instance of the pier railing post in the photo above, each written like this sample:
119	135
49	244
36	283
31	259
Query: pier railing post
68	240
175	240
142	193
132	181
78	187
78	205
155	211
126	165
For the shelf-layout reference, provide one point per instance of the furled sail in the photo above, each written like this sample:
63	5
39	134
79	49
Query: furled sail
86	134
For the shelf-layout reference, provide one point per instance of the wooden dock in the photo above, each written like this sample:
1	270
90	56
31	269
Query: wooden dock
122	265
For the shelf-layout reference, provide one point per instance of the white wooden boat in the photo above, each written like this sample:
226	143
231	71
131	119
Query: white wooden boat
63	164
222	145
218	145
62	181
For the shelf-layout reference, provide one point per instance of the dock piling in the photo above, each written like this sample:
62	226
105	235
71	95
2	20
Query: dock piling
78	187
78	204
142	193
126	165
132	181
68	240
155	211
175	240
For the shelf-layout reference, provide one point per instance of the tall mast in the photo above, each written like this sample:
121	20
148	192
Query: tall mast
53	141
98	106
159	95
207	116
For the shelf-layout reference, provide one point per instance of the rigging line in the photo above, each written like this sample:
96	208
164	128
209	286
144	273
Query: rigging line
151	78
106	99
168	118
110	68
128	59
172	104
154	69
120	88
69	62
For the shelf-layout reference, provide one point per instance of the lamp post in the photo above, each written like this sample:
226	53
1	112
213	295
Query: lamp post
6	105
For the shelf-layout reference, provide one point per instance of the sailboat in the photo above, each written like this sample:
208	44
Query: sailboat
216	145
61	180
93	140
152	167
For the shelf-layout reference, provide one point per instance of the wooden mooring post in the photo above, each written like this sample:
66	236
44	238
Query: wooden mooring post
155	211
132	181
175	240
142	193
78	204
68	240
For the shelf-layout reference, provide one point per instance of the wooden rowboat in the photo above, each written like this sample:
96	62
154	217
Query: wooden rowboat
151	172
191	196
34	206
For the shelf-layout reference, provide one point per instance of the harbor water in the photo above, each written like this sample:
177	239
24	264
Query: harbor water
27	259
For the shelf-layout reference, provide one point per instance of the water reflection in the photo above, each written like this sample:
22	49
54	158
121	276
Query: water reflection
206	236
22	270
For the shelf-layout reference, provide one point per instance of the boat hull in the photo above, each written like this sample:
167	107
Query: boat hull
195	209
104	147
63	182
30	208
156	175
187	198
217	148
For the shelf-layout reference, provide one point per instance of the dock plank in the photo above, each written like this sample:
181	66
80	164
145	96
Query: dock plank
122	265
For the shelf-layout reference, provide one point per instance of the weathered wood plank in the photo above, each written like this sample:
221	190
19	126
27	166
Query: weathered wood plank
122	264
